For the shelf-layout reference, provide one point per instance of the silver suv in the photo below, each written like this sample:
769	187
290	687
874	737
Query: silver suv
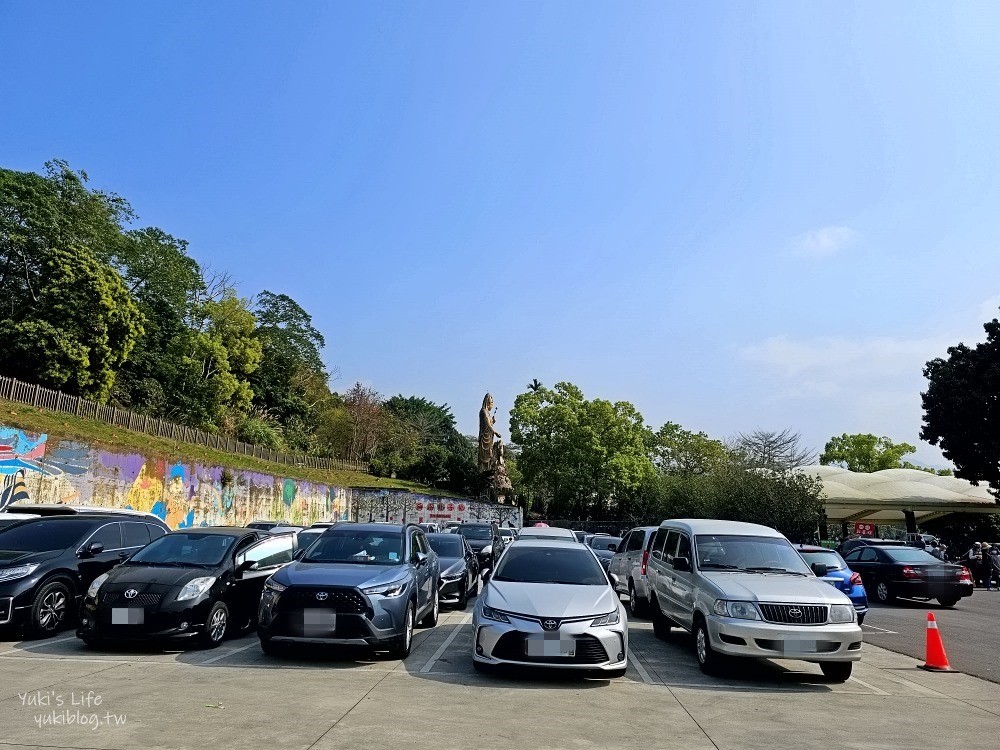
629	564
743	590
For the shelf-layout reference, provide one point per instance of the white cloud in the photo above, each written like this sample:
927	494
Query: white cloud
824	242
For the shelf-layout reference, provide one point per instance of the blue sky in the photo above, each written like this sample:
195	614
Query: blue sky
734	215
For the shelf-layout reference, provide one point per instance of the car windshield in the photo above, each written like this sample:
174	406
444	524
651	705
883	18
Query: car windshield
506	532
604	542
565	565
44	535
185	548
307	537
905	555
358	547
752	554
446	547
831	559
476	532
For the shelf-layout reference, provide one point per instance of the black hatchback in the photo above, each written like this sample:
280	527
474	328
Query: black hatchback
46	564
194	583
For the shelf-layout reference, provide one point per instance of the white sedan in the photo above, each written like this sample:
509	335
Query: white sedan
549	603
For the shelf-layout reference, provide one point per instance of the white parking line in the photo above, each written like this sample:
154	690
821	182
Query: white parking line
639	668
444	646
875	690
43	643
229	653
881	630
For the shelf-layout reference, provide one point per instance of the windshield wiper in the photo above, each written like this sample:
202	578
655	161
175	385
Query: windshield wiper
720	566
766	569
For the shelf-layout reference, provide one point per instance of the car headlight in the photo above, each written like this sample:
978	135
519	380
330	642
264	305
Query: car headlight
388	590
452	576
486	551
95	585
494	614
10	574
274	587
195	588
739	610
842	613
611	618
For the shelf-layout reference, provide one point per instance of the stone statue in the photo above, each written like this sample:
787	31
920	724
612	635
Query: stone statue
486	435
500	484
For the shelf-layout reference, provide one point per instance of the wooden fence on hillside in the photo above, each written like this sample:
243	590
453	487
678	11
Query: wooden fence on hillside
35	395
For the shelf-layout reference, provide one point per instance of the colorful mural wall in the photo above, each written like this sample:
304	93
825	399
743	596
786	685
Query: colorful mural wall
398	506
34	469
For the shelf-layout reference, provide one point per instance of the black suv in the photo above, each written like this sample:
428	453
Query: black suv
47	564
484	538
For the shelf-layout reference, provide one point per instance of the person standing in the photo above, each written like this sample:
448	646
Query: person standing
986	564
973	558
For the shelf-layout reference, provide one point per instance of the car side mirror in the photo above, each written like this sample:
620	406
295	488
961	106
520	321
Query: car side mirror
614	579
247	565
612	548
421	558
820	569
299	553
681	563
92	549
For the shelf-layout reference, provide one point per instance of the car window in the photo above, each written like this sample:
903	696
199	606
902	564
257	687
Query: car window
447	546
868	554
684	547
187	547
155	532
109	535
909	555
604	542
853	556
274	551
670	546
347	545
747	552
475	532
44	535
135	534
829	558
421	542
635	541
565	565
657	547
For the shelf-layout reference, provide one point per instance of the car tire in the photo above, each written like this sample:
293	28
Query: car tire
661	625
50	609
401	648
709	660
837	671
216	623
948	601
883	592
463	598
270	648
90	641
431	618
474	591
636	606
861	620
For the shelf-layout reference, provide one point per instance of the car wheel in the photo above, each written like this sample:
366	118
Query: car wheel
636	606
948	601
837	671
474	591
463	598
431	619
709	661
50	609
661	625
861	620
90	641
215	626
270	648
403	644
883	593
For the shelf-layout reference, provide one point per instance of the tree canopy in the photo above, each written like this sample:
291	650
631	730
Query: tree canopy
865	452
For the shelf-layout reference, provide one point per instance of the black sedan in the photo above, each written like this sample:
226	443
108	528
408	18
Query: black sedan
459	568
890	571
46	564
484	538
604	547
195	583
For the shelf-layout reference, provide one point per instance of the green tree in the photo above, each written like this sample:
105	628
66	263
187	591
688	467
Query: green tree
679	451
865	452
961	409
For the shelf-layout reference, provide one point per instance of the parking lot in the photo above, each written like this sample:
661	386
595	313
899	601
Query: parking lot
56	693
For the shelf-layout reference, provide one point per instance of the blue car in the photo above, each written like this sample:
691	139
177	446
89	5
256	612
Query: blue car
838	575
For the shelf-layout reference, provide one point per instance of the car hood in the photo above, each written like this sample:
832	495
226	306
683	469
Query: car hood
550	599
760	587
157	575
11	557
337	574
451	565
479	544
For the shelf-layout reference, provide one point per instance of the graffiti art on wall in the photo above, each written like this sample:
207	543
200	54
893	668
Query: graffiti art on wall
38	470
398	506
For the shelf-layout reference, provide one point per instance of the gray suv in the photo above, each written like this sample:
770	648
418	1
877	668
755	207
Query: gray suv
360	584
743	590
629	565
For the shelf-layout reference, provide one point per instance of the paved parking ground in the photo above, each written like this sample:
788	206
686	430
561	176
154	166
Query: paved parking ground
235	697
970	630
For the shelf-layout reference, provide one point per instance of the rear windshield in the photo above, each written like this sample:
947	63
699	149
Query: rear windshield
830	558
357	547
186	548
905	555
44	535
476	532
445	547
566	565
604	542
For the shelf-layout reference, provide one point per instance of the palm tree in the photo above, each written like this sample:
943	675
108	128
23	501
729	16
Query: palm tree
535	385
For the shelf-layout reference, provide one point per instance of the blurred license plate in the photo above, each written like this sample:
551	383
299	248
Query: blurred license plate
128	615
549	645
318	622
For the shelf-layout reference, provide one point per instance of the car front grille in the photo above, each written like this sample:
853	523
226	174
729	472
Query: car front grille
589	650
339	599
118	598
795	614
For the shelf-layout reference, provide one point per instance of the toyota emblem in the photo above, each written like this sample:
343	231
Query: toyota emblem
131	594
322	596
795	612
550	624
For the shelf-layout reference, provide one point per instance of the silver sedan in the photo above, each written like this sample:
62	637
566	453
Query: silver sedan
549	603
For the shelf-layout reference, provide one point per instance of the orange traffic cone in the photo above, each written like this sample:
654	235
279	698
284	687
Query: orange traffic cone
937	659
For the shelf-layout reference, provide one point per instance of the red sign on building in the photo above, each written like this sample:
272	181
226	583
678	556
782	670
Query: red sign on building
864	529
